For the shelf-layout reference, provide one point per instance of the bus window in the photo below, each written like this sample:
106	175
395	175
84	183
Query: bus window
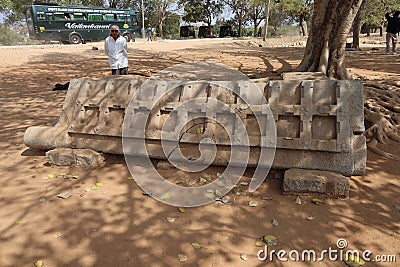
59	16
77	16
95	17
49	16
134	19
41	16
109	17
122	17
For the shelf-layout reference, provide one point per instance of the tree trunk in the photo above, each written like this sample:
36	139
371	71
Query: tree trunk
303	25
326	44
160	29
240	28
357	27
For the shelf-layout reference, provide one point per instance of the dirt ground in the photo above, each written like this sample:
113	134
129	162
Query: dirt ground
117	225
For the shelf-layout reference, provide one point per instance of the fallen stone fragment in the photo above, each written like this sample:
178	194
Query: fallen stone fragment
65	195
328	183
80	157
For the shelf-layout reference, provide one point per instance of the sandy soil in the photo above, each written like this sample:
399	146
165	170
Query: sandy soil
117	225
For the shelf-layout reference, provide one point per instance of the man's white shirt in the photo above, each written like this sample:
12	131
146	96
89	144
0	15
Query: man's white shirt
117	52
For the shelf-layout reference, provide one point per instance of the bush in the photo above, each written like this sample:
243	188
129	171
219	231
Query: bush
8	36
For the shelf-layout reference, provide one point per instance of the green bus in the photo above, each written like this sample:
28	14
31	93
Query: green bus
78	24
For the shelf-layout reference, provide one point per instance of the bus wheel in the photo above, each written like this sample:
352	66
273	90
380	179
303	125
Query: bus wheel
127	37
75	38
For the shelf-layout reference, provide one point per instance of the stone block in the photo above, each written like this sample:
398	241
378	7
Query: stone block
165	165
328	183
80	157
61	157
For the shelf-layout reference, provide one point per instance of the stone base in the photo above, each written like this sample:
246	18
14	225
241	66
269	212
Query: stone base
165	165
80	157
328	183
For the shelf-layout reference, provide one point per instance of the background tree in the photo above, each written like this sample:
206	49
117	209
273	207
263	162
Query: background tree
326	44
277	17
299	10
171	26
374	14
163	11
357	27
256	14
240	8
157	11
200	10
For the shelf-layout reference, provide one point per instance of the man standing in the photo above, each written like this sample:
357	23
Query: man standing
116	49
392	31
148	32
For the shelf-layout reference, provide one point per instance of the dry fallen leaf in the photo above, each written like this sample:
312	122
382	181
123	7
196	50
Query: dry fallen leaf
64	195
243	257
182	257
202	181
253	203
270	240
196	245
218	193
353	261
181	209
298	200
170	219
225	199
316	201
39	263
165	196
310	218
259	243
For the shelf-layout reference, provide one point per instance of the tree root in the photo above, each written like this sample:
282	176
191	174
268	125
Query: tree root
382	114
372	145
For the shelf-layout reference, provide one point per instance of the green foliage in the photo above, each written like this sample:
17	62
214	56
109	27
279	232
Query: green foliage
296	9
200	10
171	26
286	30
374	11
9	36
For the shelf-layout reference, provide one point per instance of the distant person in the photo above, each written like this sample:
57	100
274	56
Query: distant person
148	32
153	34
392	31
259	32
116	49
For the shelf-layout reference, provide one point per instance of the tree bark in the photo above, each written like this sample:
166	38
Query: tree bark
357	27
326	44
303	25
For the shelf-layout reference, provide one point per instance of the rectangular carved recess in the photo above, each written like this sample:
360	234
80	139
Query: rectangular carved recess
324	128
253	128
325	94
89	116
115	118
288	126
290	93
